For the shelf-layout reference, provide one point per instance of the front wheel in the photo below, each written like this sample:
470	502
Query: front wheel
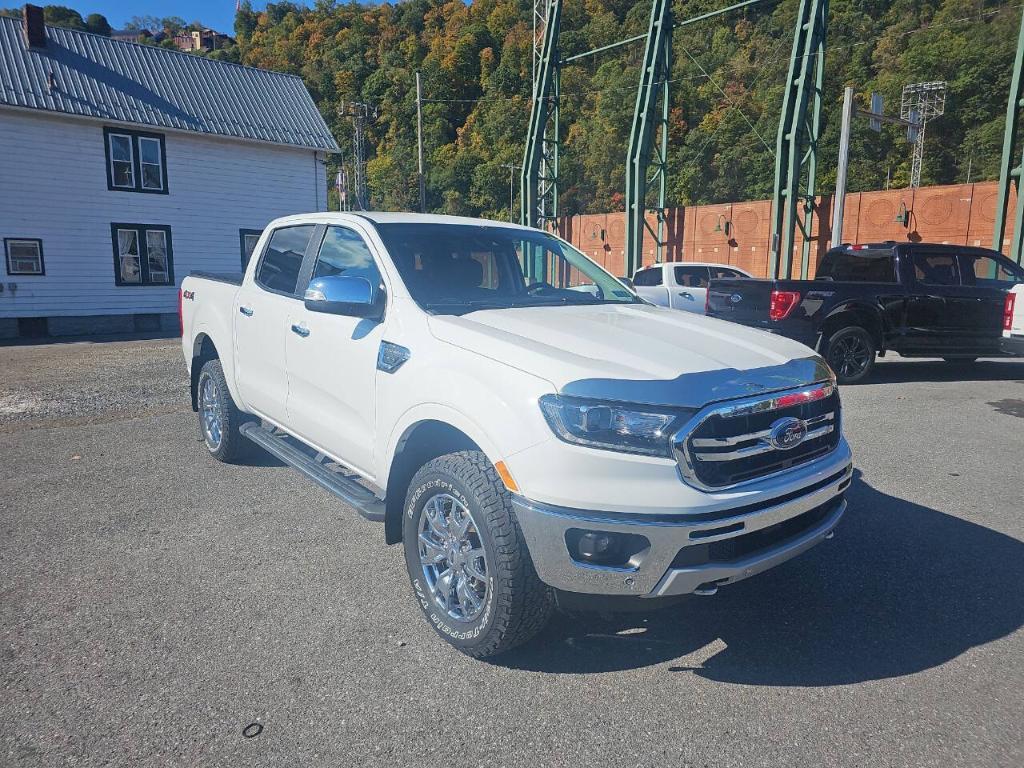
850	353
467	560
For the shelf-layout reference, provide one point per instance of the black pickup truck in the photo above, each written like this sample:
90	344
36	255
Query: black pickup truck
915	299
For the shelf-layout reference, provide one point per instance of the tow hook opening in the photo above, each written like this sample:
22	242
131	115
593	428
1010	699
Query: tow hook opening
707	589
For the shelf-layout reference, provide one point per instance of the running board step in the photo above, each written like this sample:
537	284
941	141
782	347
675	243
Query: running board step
345	488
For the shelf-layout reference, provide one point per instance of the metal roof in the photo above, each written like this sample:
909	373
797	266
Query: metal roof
95	76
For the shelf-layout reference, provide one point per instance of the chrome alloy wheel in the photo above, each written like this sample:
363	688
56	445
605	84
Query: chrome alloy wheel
210	412
452	557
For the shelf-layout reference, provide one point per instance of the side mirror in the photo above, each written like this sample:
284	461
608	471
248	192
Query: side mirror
344	295
626	282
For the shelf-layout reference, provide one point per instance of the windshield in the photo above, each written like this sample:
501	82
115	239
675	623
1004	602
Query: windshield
459	268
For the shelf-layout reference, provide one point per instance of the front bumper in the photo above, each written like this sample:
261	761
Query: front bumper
763	534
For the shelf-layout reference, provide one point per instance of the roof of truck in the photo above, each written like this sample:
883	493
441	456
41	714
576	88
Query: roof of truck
390	217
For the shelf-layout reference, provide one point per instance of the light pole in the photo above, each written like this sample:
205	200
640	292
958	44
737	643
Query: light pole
511	187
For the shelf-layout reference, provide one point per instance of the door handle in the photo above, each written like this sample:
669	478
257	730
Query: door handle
687	295
245	311
300	330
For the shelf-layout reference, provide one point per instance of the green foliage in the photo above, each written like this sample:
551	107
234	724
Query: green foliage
97	24
727	80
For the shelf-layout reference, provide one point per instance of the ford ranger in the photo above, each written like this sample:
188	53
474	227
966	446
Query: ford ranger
524	424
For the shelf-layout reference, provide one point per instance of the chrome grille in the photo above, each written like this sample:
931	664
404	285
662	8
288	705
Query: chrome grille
741	441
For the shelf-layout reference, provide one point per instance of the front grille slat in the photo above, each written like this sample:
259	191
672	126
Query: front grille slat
733	444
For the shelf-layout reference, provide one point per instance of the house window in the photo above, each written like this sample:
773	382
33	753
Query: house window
135	161
142	254
24	256
247	239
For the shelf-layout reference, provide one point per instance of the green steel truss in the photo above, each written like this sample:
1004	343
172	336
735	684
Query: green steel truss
1012	163
796	150
539	199
644	153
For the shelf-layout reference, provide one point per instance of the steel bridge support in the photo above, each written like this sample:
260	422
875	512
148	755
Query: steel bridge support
539	181
643	153
1011	165
797	143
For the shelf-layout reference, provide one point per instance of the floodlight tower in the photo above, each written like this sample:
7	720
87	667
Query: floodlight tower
921	102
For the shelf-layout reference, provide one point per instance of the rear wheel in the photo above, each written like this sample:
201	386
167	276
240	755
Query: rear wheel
219	417
851	354
467	561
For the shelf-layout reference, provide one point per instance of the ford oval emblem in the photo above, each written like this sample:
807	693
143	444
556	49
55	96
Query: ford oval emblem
735	298
787	433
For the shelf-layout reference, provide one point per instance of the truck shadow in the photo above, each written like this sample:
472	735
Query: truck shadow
902	588
899	371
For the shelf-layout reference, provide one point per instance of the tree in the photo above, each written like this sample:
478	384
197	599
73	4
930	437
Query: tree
61	16
97	24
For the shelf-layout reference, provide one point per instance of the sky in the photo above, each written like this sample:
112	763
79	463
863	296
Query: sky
218	14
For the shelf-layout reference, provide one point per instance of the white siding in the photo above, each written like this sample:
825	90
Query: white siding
53	186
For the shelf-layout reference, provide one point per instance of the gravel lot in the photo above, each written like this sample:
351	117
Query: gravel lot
153	603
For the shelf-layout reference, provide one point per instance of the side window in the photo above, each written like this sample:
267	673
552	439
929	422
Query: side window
136	161
648	277
935	269
865	265
723	273
692	277
282	260
343	252
247	240
143	254
24	256
986	271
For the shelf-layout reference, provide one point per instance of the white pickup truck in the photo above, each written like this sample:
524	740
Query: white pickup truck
526	440
681	284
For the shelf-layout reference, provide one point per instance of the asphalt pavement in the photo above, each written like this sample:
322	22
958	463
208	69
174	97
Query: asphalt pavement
155	603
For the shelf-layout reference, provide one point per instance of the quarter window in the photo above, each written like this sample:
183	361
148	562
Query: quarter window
692	277
24	256
869	265
282	259
142	254
135	161
247	240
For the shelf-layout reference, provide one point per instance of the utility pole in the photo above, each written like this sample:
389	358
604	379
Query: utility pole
419	144
512	168
360	113
876	116
839	201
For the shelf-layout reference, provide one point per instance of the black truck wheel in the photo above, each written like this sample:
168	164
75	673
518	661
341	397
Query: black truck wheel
219	417
850	352
470	569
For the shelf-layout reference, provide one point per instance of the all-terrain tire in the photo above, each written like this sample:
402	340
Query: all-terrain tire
517	604
225	442
850	352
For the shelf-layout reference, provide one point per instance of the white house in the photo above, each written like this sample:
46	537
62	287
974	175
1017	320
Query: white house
123	167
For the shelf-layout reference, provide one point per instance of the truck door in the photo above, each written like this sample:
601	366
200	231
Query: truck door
986	279
935	307
262	307
332	360
691	287
650	284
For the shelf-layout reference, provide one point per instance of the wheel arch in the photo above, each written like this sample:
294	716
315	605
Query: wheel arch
865	316
203	350
419	442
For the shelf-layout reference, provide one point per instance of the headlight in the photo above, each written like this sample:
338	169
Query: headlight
644	429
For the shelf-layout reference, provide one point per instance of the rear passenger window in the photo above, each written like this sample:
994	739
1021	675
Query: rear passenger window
343	252
692	277
870	265
647	277
719	273
279	269
987	271
935	269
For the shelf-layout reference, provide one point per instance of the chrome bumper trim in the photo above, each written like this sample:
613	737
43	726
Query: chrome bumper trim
544	528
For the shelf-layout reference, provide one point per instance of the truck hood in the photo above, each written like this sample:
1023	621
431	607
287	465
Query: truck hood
634	353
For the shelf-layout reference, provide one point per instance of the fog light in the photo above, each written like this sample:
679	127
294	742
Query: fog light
606	548
595	546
